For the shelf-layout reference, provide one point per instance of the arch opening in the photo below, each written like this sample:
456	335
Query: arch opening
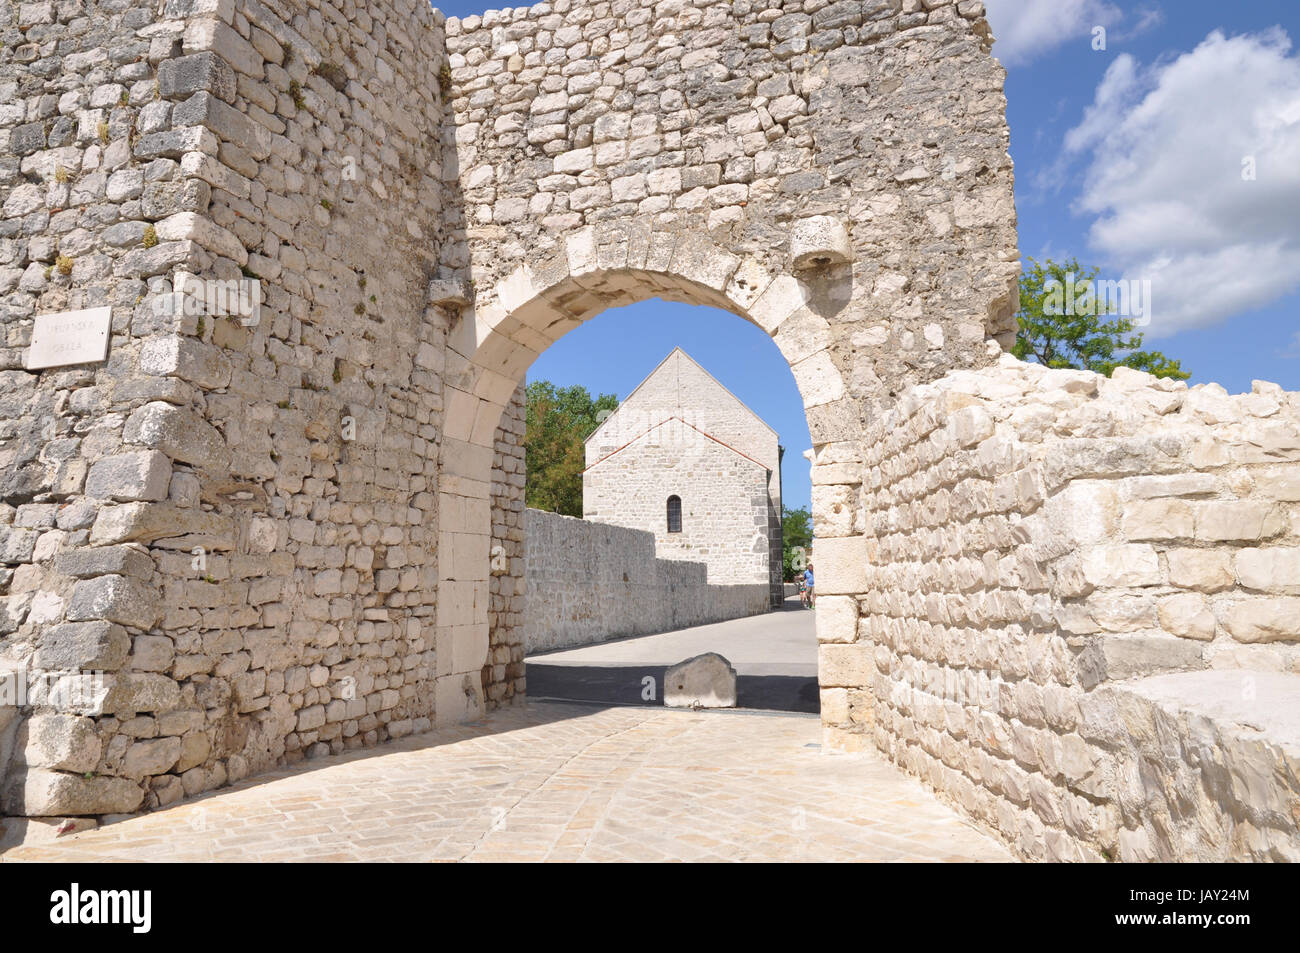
492	345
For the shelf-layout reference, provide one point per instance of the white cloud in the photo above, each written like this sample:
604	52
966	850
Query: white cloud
1026	29
1165	147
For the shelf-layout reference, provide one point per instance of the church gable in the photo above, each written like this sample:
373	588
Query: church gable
679	388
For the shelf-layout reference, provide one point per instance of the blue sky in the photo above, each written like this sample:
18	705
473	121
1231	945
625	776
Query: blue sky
1133	158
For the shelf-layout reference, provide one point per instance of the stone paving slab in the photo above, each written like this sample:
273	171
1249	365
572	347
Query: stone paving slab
561	782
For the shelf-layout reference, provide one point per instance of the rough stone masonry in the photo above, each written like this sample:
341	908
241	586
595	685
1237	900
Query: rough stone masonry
245	539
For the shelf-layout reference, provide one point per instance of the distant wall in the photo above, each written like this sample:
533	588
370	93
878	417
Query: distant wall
591	582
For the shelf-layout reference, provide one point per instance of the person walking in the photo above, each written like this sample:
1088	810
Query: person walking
810	598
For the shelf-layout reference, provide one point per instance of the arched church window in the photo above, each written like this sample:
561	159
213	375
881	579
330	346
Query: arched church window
674	514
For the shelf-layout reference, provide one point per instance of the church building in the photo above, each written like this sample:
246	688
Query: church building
685	459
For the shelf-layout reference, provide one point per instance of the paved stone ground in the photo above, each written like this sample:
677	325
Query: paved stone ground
561	782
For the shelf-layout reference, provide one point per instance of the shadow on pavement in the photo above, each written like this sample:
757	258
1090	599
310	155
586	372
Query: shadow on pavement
642	685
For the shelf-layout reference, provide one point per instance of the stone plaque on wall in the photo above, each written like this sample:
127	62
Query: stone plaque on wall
70	337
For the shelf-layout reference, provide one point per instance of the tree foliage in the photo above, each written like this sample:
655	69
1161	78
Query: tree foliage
796	537
557	422
1088	339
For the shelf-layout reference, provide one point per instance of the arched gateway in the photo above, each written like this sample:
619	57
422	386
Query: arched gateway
232	537
814	172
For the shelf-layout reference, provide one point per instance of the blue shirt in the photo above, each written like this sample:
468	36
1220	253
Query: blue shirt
808	578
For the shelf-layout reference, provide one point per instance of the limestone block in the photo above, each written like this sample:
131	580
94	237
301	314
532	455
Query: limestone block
1276	569
1178	484
819	380
1130	655
469	647
195	748
458	698
802	335
184	357
1187	615
178	432
1085	511
784	296
449	292
1206	570
845	666
704	681
205	34
840	565
88	646
191	226
835	706
1159	519
146	522
837	619
105	560
1123	565
17	545
42	793
1279	483
139	475
970	425
1245	520
62	742
1261	619
135	693
182	76
152	653
819	241
151	757
119	599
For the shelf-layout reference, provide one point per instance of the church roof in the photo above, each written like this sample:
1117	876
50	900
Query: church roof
661	423
657	369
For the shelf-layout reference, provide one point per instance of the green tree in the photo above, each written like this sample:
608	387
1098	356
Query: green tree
796	537
1086	339
557	422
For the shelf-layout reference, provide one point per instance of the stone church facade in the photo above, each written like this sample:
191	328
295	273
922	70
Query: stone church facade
685	459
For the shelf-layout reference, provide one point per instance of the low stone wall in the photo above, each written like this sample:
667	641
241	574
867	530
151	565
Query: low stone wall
591	582
1036	539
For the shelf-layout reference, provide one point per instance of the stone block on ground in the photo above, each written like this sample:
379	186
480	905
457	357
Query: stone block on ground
705	681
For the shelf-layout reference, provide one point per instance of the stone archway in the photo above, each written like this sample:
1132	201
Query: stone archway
817	174
492	344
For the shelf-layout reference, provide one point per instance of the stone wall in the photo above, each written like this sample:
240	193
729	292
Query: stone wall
234	520
1033	539
590	136
591	582
503	675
